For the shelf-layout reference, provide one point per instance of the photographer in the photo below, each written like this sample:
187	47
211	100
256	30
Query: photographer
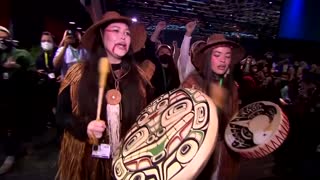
15	82
70	51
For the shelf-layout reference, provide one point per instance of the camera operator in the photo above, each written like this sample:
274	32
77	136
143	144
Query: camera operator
70	51
15	82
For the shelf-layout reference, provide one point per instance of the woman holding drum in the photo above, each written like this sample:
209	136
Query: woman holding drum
254	131
195	132
214	64
90	139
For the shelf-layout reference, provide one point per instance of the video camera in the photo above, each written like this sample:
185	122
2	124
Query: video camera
7	43
73	29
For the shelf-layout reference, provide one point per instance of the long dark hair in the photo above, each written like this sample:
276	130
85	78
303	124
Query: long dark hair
132	99
209	77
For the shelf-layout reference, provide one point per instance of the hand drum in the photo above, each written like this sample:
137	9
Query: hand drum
173	138
257	130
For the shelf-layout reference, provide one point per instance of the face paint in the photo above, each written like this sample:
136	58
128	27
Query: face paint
116	39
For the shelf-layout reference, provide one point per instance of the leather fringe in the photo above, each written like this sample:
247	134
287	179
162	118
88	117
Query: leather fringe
72	150
70	158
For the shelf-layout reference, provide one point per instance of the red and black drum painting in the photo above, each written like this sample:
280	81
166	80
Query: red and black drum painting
257	129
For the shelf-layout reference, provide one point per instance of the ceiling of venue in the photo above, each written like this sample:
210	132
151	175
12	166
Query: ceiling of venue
245	18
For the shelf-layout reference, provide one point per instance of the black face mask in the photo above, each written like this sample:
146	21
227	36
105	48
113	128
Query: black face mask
165	59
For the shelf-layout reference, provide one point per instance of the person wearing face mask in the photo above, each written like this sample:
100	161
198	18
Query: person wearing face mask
44	62
214	64
48	83
166	76
70	52
16	66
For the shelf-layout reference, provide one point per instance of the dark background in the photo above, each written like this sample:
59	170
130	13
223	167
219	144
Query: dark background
299	30
29	18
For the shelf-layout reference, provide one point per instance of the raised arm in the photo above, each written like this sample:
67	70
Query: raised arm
155	35
184	59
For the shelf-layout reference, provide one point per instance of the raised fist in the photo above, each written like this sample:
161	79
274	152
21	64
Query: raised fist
191	26
161	25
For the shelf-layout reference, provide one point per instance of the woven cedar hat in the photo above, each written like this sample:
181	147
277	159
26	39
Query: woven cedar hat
214	40
138	32
196	44
139	36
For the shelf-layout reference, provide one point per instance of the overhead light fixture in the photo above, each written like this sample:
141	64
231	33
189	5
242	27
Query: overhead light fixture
134	19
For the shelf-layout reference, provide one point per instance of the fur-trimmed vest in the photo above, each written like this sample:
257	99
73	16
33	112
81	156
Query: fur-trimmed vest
75	161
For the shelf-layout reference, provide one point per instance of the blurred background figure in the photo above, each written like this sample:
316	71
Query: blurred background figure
15	67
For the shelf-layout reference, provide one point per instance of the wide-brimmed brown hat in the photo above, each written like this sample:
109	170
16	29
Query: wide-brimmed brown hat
196	44
139	36
214	40
94	30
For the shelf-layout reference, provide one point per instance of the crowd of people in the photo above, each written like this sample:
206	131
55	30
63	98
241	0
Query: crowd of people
142	68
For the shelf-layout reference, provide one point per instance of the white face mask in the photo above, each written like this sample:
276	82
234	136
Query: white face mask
47	46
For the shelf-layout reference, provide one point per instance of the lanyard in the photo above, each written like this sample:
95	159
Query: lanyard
46	59
75	53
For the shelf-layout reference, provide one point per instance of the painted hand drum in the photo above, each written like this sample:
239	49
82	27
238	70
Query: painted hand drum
257	129
173	138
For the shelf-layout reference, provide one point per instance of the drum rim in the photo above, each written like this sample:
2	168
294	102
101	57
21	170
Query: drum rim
204	152
276	126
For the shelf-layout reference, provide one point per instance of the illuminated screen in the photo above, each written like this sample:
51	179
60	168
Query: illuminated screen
300	20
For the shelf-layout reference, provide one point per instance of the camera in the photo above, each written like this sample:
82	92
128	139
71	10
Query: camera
71	31
7	43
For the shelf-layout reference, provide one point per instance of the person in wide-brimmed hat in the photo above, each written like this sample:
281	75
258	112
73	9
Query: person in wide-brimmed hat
235	52
214	63
166	76
138	32
76	110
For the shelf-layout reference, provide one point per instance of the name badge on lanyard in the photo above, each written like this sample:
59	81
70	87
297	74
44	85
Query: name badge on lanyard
101	151
5	76
51	76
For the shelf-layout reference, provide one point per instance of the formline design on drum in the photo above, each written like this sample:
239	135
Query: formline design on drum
274	144
257	130
173	138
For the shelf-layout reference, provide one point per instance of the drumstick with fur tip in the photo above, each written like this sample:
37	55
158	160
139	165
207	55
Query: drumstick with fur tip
104	69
